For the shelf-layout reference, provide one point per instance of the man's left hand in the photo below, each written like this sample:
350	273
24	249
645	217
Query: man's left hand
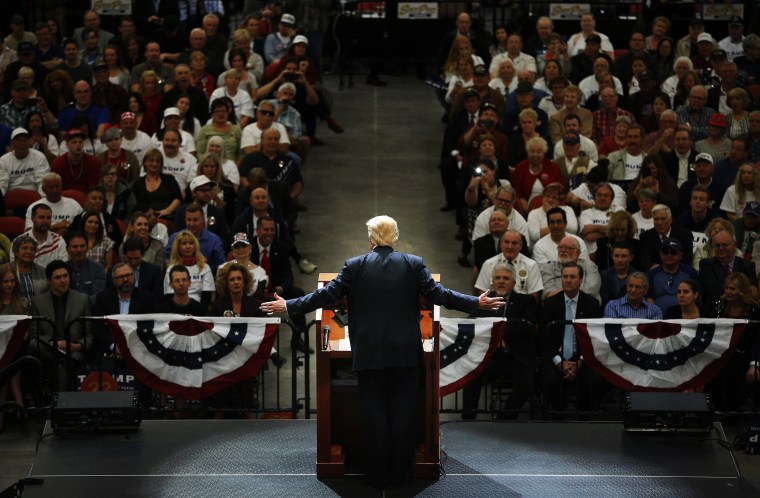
275	306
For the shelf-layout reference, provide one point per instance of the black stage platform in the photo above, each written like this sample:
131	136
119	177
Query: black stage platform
277	458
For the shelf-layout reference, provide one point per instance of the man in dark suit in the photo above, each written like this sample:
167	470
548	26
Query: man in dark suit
488	245
202	190
516	350
564	362
382	288
678	161
61	305
713	271
663	228
148	277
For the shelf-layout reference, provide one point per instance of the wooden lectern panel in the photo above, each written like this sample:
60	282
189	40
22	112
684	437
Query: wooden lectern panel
338	420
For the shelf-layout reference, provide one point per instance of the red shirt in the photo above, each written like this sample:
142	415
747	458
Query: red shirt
523	179
77	176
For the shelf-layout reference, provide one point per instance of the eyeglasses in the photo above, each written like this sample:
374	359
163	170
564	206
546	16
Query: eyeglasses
122	277
266	113
110	173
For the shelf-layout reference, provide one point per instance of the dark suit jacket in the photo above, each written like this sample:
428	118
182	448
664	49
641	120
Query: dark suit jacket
554	309
671	164
244	223
279	264
650	246
151	280
107	303
518	335
383	290
712	276
77	304
219	228
484	248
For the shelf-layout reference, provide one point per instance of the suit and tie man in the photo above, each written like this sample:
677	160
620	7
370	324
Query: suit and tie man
713	271
382	288
516	354
564	362
148	276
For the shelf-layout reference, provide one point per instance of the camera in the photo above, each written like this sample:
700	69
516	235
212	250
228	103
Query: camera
486	123
477	171
290	76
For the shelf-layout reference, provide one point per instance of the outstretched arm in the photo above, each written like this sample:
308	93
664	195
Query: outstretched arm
277	306
489	303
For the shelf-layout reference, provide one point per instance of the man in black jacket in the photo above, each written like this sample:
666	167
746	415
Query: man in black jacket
663	228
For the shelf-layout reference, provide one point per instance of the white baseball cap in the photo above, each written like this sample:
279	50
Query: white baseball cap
200	181
19	131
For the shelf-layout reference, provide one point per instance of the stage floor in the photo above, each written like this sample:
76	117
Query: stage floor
277	458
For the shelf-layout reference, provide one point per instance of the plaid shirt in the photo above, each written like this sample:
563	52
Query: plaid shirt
604	122
698	121
14	117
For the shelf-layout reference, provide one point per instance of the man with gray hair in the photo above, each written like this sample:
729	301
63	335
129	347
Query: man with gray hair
504	199
382	289
569	251
633	304
713	271
695	115
64	209
23	167
749	63
528	274
662	141
651	240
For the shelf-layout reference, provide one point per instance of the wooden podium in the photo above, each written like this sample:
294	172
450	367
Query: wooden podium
338	419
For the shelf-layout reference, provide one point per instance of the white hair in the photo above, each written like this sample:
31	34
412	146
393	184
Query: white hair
382	230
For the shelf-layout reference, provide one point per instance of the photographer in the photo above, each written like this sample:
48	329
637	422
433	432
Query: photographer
13	113
488	122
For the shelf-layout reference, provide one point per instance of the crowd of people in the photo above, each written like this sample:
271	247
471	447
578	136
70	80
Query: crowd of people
157	169
604	181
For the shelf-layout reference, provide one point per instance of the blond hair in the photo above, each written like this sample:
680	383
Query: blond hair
382	230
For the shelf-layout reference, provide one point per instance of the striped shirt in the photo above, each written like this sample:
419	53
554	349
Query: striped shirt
621	308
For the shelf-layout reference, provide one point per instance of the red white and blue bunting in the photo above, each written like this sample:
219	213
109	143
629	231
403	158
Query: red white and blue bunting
646	355
192	357
13	328
466	347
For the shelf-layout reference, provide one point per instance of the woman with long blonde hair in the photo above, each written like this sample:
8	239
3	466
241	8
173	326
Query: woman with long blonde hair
746	188
186	250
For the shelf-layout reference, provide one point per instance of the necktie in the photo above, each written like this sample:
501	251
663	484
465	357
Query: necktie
727	268
569	340
265	265
472	119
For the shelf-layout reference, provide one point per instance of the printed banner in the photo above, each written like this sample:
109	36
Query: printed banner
12	331
466	346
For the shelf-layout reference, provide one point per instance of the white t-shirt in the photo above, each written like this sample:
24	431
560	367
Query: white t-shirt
65	209
92	146
138	145
545	249
241	101
252	135
23	174
577	43
730	203
583	192
733	49
231	171
516	222
642	224
187	146
594	216
200	281
182	167
632	166
537	220
587	145
528	274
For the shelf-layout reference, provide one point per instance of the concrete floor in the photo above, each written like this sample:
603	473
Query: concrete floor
384	163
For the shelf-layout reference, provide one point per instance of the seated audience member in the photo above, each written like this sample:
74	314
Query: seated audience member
528	121
703	243
278	165
654	176
727	168
625	164
77	169
100	247
572	100
525	97
504	199
582	197
573	163
633	304
202	192
713	270
517	343
554	102
176	163
568	251
186	250
60	304
533	174
241	100
689	302
180	301
615	277
86	275
528	273
172	121
662	139
735	300
252	136
621	228
31	276
748	228
94	202
715	143
210	244
562	355
157	190
746	188
593	221
22	168
118	199
149	277
679	161
663	228
138	228
478	195
241	253
699	214
64	209
126	162
538	225
703	175
15	110
136	141
665	278
587	146
83	105
50	245
12	303
487	246
645	200
695	114
545	248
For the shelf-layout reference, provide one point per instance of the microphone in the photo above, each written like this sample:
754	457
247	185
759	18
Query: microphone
325	337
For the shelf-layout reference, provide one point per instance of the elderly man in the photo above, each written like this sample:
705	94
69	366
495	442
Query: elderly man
703	175
64	209
202	191
625	164
252	134
538	44
279	166
520	60
569	251
504	199
674	144
615	278
664	279
545	248
528	273
583	63
277	42
591	83
86	276
651	240
695	115
562	355
60	305
211	245
633	304
153	62
23	167
77	169
592	222
289	117
606	117
713	271
464	28
83	106
516	351
687	46
572	99
488	245
91	20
